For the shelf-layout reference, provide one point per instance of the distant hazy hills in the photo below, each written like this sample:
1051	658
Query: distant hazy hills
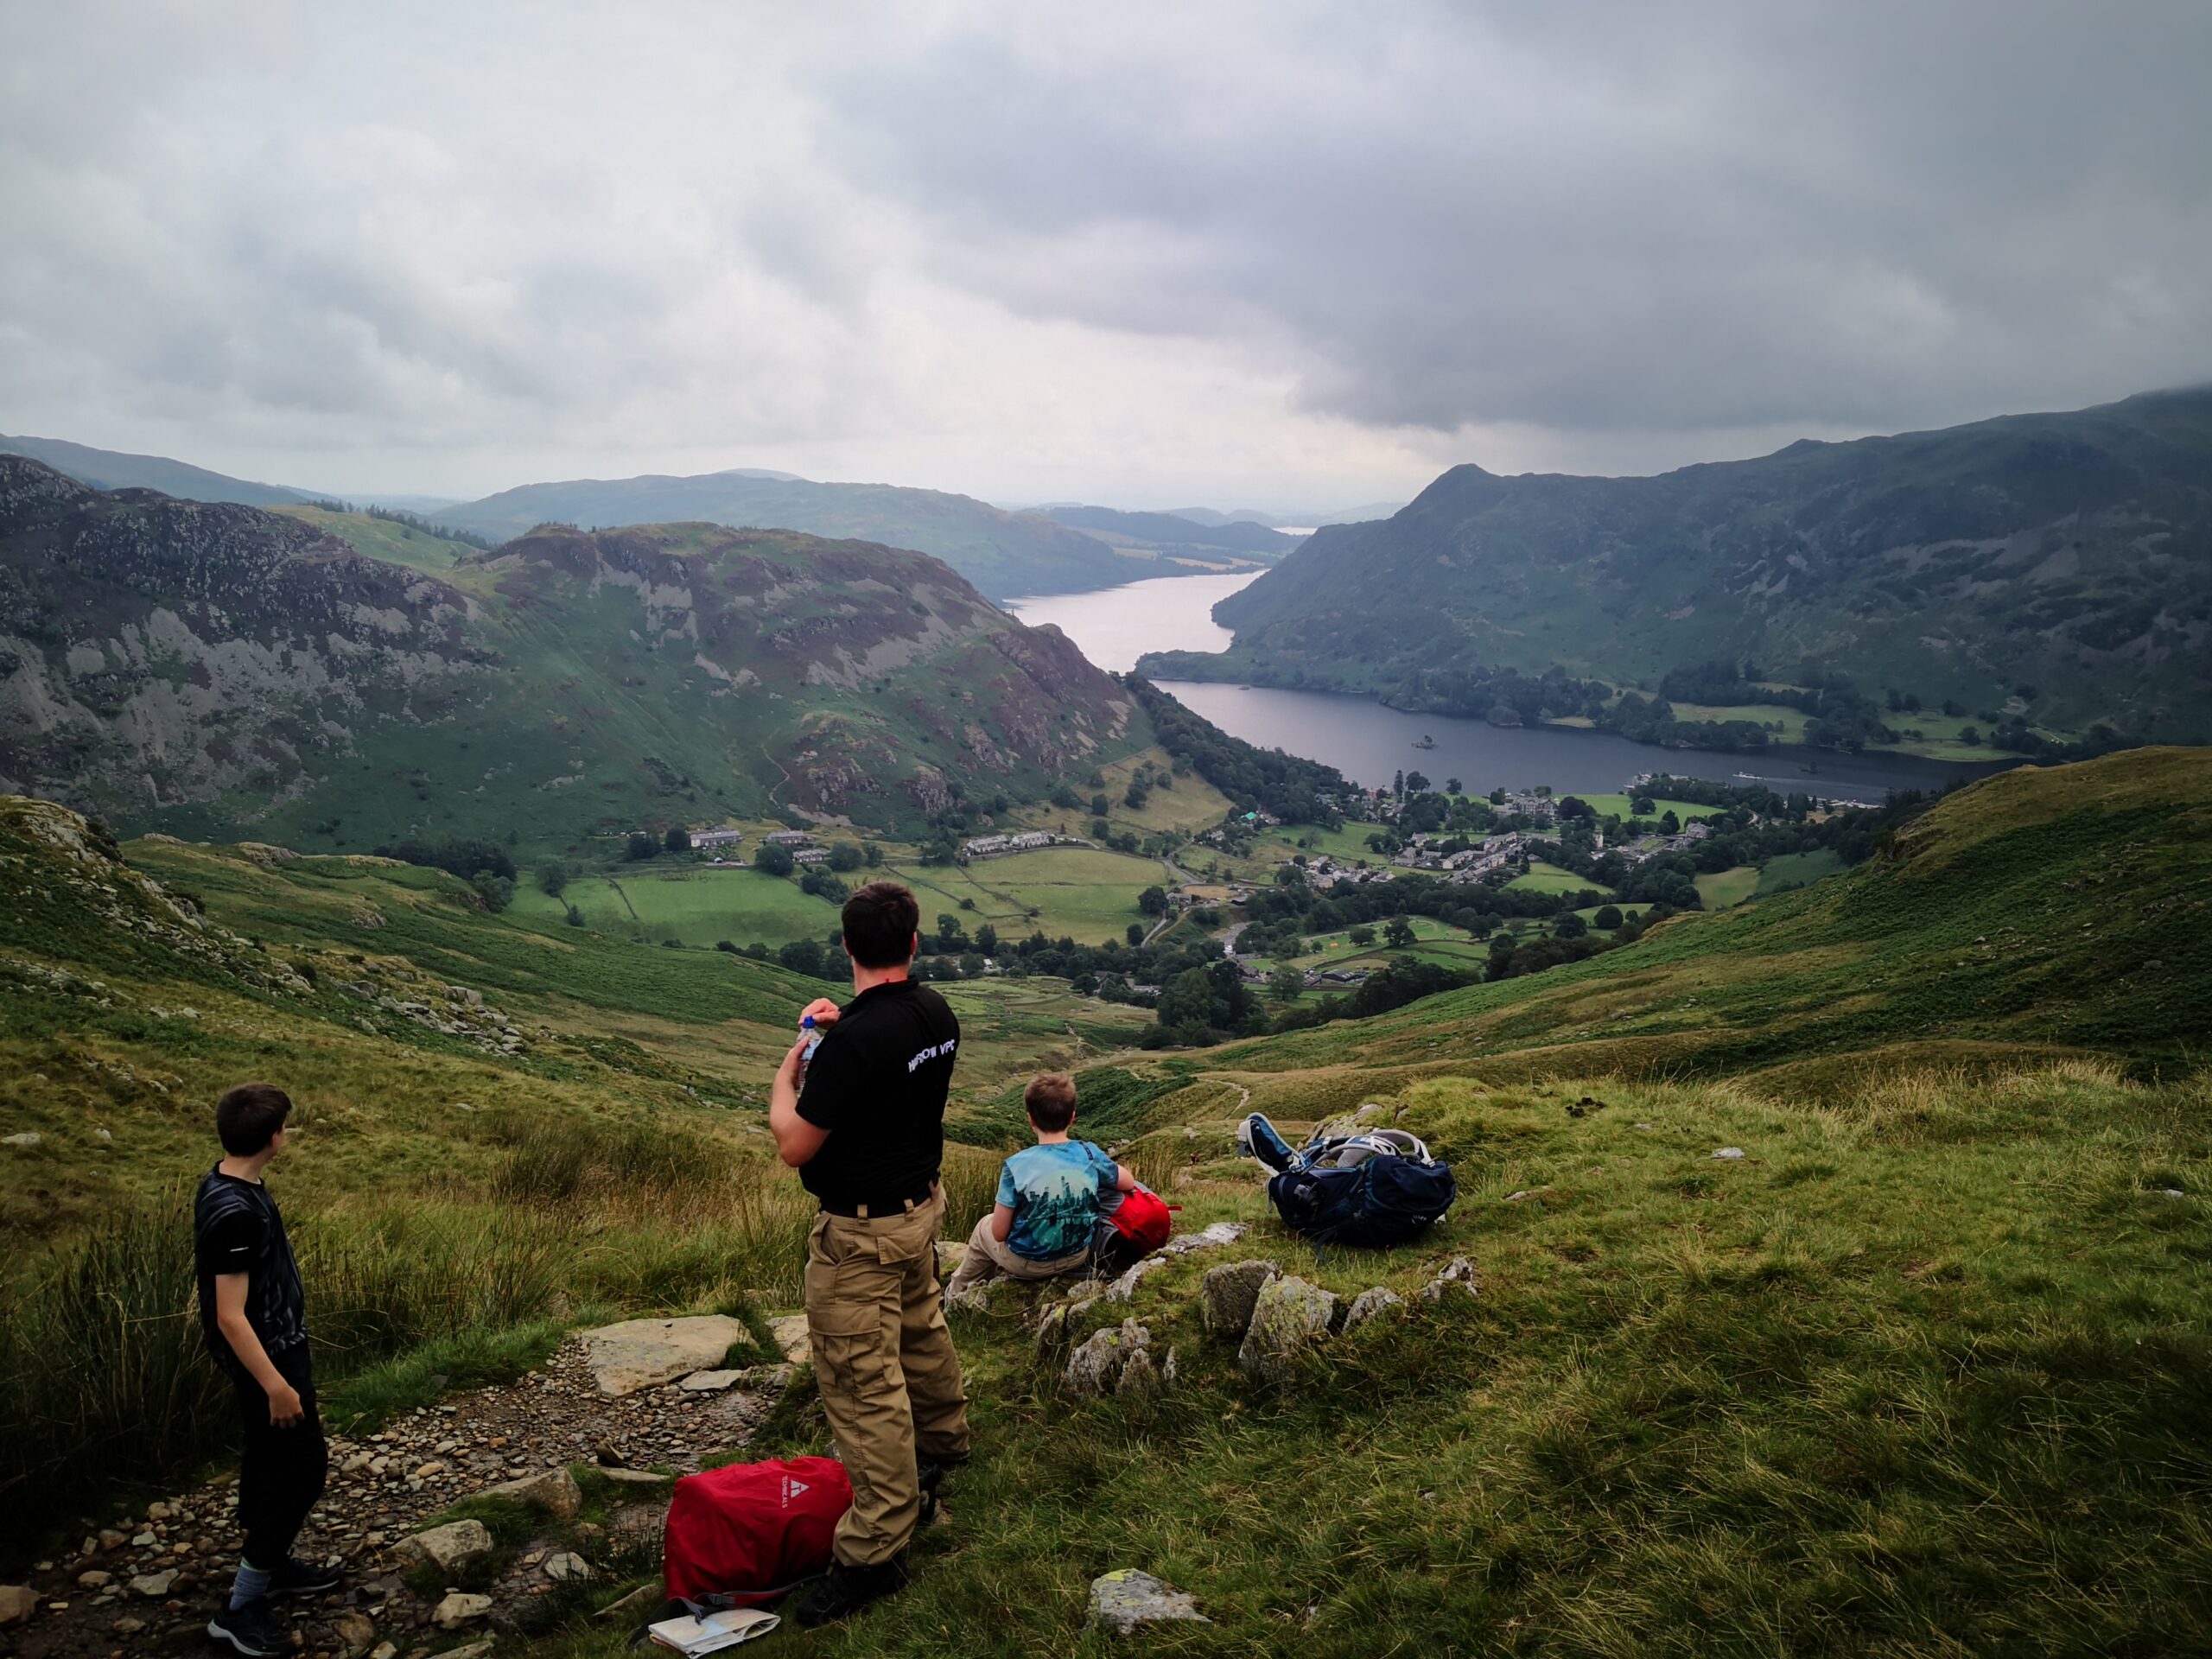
1288	520
108	469
2070	553
1174	534
202	667
1004	554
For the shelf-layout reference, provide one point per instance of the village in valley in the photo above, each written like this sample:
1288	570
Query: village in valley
1486	873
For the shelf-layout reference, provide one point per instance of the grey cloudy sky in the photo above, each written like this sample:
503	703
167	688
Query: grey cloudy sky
1276	253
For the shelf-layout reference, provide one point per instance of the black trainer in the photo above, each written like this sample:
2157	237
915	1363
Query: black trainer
251	1631
299	1578
845	1590
932	1473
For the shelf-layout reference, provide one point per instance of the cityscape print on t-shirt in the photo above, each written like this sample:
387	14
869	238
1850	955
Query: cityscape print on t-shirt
1053	1191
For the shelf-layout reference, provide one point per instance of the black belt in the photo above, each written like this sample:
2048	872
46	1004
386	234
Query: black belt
875	1210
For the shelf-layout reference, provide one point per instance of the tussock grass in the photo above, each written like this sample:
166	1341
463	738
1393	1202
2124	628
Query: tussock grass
102	1373
1926	1372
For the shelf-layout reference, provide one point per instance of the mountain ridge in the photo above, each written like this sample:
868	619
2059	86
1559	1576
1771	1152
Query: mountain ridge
115	469
1005	555
2071	552
198	668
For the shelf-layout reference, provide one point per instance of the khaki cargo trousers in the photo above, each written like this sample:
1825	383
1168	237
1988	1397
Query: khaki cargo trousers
883	1361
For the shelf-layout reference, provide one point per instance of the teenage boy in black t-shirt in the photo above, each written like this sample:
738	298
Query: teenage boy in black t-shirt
254	1315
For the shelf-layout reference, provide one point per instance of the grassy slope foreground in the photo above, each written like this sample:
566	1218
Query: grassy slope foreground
1923	1371
497	1127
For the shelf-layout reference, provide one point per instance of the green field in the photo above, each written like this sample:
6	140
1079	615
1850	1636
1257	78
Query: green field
700	907
1793	720
1721	888
1079	892
1549	878
1617	806
1796	870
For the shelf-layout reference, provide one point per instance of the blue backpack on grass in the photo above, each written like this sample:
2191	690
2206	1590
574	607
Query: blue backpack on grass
1380	1186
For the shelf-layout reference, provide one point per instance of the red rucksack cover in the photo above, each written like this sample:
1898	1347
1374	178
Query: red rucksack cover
750	1530
1143	1219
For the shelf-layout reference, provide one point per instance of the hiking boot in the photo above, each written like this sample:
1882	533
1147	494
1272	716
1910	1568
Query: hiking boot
932	1473
251	1631
844	1590
299	1578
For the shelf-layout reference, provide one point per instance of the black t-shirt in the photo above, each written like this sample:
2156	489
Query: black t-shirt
236	1229
878	1084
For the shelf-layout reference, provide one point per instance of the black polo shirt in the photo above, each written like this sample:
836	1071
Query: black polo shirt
878	1084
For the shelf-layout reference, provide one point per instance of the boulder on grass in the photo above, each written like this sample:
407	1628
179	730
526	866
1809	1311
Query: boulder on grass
1289	1316
1096	1365
1370	1302
1121	1601
1227	1293
1458	1278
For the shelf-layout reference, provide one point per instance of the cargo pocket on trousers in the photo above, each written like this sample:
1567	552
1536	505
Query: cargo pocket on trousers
849	1356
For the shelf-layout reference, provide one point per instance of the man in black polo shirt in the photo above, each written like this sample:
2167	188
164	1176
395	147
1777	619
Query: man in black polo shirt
864	1126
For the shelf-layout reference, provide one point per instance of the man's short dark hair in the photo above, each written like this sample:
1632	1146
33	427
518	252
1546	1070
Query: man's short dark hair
1050	1101
879	921
248	1117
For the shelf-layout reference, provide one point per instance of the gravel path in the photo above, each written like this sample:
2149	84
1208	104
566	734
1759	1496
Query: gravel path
153	1586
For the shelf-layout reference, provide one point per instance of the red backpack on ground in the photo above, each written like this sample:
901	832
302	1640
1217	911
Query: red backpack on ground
1143	1220
748	1532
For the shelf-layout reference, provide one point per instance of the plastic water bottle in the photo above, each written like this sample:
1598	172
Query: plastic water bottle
806	1054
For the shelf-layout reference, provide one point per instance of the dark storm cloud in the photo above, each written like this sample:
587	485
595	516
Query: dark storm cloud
1591	217
1151	253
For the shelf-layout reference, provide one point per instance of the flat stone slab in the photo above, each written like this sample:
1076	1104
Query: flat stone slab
708	1381
1121	1601
645	1353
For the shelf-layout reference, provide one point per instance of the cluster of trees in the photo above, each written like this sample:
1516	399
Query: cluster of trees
1842	717
485	865
1282	785
1750	824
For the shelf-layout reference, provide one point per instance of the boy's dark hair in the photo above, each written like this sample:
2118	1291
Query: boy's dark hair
248	1117
1050	1101
880	923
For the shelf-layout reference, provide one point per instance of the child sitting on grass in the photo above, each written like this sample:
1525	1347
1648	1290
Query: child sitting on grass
254	1314
1048	1201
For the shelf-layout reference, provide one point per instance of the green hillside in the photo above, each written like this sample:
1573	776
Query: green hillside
197	669
2067	554
1005	554
389	539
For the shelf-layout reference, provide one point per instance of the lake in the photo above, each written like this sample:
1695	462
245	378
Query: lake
1369	743
1115	625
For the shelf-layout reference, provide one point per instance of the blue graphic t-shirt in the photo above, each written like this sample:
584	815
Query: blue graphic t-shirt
1053	1193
